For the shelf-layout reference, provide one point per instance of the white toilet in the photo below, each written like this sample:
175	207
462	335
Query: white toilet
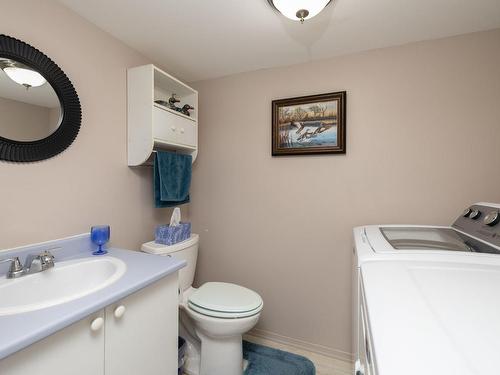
213	317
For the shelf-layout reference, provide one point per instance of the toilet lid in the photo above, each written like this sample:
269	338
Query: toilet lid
225	300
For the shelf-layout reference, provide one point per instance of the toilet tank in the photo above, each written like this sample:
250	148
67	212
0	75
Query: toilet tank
186	250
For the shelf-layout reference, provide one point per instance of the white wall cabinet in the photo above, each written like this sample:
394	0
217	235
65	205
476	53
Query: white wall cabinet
137	335
153	126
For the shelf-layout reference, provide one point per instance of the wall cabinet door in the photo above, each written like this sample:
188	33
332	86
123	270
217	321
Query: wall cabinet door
172	128
76	350
141	331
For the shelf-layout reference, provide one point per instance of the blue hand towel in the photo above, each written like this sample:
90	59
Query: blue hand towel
172	179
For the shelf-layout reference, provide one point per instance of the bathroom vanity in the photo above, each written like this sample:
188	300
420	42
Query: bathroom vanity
129	326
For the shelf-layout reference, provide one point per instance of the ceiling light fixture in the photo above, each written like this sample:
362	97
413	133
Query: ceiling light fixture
299	10
21	74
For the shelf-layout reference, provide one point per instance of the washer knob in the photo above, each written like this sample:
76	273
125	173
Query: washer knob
492	218
467	212
475	214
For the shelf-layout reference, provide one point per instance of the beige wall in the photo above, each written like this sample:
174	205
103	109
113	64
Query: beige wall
22	121
90	182
423	141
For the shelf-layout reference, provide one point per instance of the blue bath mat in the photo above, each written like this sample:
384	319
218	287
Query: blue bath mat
268	361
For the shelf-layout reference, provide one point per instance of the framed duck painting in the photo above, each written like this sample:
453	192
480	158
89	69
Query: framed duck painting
307	125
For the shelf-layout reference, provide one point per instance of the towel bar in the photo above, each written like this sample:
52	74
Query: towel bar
150	161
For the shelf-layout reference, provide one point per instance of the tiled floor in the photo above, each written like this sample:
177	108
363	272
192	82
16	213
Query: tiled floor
324	365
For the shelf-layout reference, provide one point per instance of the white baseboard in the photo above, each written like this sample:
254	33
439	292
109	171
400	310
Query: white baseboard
303	345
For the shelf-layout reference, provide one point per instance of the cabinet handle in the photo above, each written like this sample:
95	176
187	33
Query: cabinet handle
182	130
119	311
173	128
96	324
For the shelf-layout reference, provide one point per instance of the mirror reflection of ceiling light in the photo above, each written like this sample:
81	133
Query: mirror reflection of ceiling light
22	75
299	10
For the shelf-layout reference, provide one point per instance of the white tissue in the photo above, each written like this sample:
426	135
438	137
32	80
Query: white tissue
175	219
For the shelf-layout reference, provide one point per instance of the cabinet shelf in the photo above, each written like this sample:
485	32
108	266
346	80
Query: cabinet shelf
174	112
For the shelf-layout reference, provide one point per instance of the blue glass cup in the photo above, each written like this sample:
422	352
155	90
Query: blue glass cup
99	234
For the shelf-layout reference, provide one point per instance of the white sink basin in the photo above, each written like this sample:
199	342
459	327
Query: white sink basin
65	282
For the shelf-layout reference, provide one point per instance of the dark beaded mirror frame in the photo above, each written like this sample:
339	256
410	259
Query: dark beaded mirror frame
71	113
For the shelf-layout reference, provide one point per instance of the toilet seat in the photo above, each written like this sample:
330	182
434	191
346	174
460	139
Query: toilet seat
225	300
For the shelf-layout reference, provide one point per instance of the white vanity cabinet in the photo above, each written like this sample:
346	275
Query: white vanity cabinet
137	335
76	350
141	331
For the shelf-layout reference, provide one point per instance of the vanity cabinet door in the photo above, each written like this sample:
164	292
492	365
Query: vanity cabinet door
76	350
141	331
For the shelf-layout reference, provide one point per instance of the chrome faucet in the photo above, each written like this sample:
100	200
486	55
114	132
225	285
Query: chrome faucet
38	263
33	264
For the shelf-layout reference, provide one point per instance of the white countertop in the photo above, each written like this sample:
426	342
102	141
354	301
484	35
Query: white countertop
20	330
433	317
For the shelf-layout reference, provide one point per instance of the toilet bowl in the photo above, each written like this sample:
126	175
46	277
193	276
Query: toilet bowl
212	318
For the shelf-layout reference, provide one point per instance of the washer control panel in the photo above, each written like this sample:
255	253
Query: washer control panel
481	222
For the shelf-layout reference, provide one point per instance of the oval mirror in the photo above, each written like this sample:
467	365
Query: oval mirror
40	112
29	107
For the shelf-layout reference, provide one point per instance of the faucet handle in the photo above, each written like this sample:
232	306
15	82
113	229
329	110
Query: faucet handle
15	269
47	258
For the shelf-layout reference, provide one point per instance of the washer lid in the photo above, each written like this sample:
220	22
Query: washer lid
225	297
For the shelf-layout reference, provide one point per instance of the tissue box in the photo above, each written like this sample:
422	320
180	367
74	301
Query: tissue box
169	235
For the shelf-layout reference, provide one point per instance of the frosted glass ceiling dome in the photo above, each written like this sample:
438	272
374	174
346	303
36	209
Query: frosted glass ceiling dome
24	76
21	74
299	10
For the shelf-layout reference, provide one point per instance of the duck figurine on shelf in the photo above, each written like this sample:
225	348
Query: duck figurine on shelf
185	109
171	103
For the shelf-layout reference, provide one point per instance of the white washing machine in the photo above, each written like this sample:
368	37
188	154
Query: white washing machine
387	279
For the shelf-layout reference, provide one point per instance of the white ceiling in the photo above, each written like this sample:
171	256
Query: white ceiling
201	39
